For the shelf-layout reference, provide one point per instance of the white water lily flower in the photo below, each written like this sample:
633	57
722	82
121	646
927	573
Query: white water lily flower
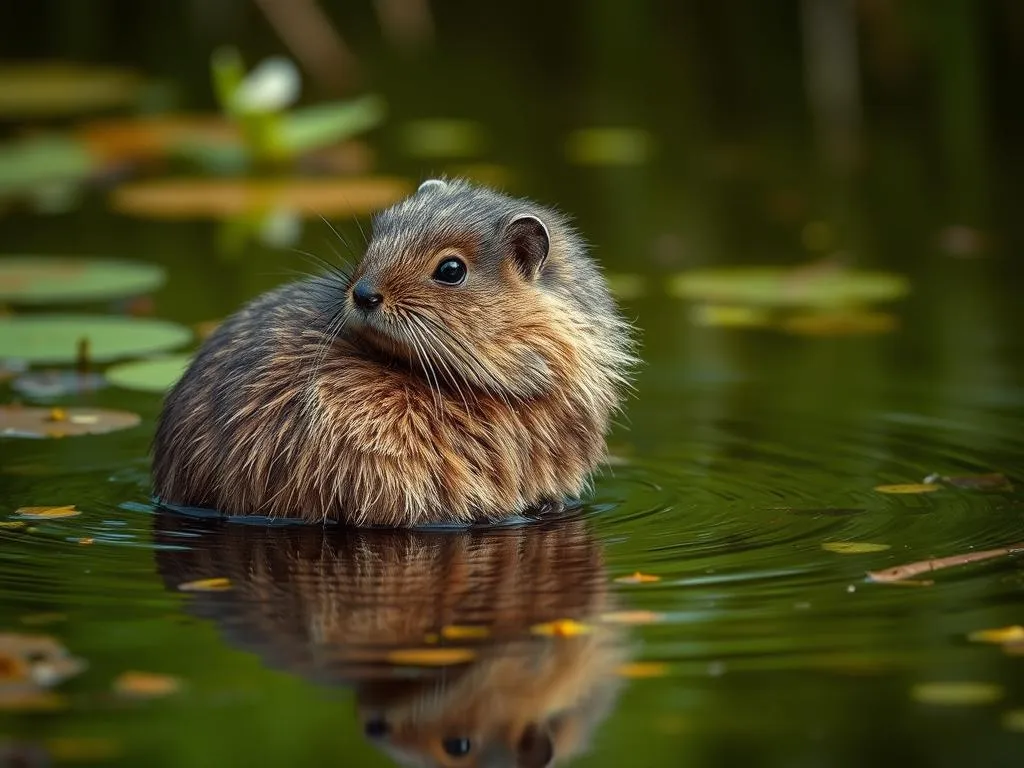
271	86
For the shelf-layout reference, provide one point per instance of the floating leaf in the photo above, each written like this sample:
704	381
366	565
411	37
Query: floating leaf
39	164
146	685
608	146
431	657
561	628
53	279
908	488
156	375
55	338
956	693
853	547
1012	634
12	525
441	137
82	749
994	481
730	316
319	126
626	286
57	89
641	669
23	421
901	572
198	198
454	632
206	585
780	286
638	578
1013	720
844	323
47	513
45	385
633	617
148	137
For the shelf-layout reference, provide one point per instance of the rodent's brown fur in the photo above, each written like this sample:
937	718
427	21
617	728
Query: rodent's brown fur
330	606
445	405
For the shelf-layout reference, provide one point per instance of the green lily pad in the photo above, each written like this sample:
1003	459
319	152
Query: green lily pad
38	162
53	279
55	89
325	124
156	375
55	338
781	286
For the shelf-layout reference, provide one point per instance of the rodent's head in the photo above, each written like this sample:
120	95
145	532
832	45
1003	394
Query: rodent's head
483	290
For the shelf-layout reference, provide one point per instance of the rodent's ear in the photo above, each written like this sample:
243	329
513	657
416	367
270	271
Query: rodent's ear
528	243
429	184
535	748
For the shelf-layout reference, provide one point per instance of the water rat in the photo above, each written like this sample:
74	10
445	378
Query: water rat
465	371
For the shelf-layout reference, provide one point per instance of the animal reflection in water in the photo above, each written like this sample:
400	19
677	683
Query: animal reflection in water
333	606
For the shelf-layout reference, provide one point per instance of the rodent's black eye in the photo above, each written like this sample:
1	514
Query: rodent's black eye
451	271
376	729
456	747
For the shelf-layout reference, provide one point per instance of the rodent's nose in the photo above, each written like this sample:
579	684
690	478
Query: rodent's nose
365	295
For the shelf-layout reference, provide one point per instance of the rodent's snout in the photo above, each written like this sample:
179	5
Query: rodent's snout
365	295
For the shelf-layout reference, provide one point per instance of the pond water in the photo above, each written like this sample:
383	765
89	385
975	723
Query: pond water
697	609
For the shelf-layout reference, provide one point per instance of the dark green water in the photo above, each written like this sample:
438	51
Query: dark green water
742	453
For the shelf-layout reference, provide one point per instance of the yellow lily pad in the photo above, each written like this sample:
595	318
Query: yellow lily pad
561	628
908	488
1012	634
59	89
454	632
47	513
957	693
218	584
53	279
23	421
146	685
792	287
632	617
853	547
638	578
224	198
431	657
641	669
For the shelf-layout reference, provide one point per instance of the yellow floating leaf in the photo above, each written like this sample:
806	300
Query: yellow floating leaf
85	540
12	524
221	198
1012	634
729	316
146	685
57	414
218	584
84	749
47	513
640	669
638	578
31	700
455	632
956	693
908	488
431	657
560	628
1013	720
633	617
853	547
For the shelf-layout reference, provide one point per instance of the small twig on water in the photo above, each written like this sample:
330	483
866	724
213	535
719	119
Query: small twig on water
901	572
